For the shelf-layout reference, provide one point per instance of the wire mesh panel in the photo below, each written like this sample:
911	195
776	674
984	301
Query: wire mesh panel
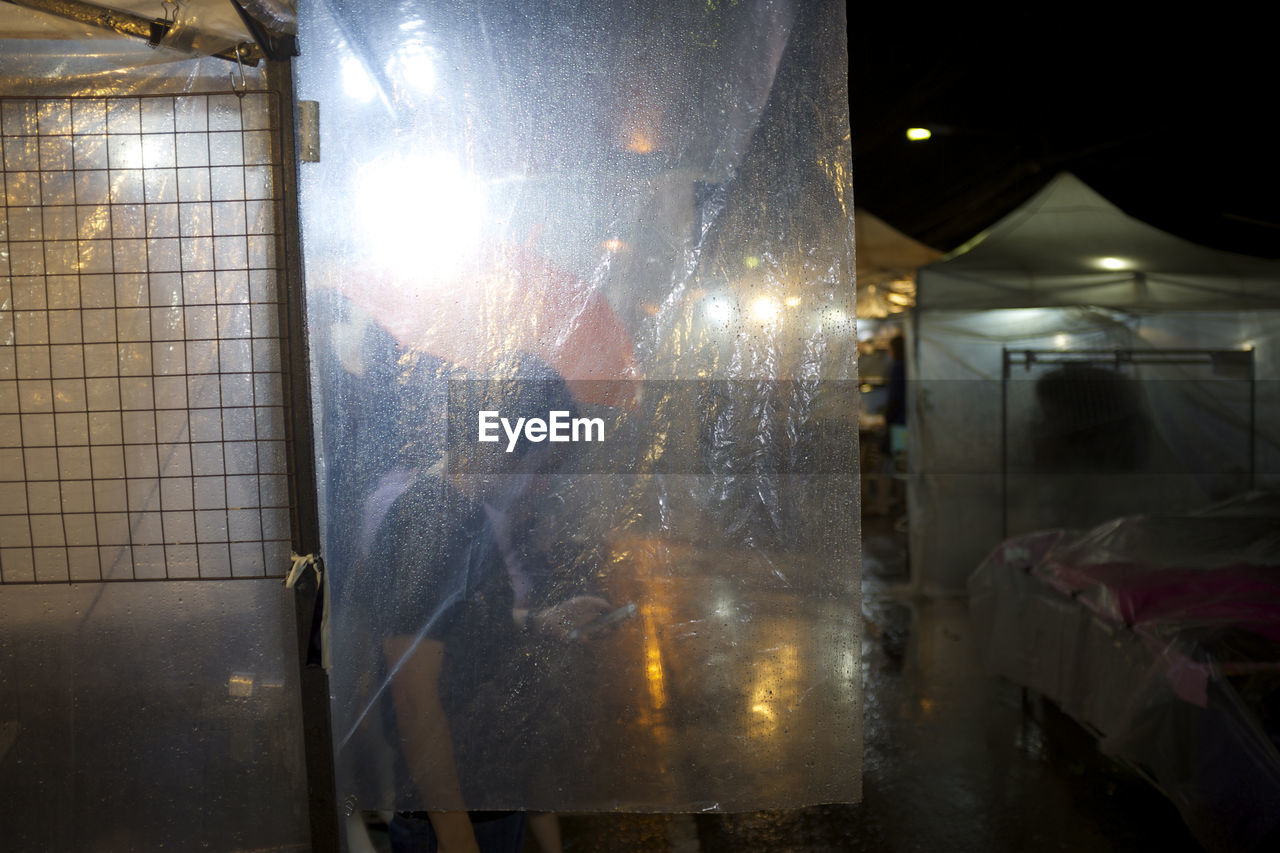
142	429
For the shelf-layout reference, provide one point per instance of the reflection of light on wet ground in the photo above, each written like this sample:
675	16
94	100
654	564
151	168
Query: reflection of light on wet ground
653	671
741	672
953	759
776	689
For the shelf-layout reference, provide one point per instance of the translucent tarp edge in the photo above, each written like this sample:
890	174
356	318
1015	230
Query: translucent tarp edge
619	198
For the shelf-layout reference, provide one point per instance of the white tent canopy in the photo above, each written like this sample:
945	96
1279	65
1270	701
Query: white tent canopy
1070	246
1066	272
887	261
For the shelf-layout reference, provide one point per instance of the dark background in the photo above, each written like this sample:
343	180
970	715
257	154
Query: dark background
1167	115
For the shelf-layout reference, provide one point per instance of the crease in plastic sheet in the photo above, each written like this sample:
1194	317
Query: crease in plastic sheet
117	67
633	226
1160	633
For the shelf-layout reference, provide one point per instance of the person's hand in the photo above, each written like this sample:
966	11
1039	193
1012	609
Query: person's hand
562	619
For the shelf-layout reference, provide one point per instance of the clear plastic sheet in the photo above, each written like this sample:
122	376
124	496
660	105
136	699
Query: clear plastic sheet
142	437
193	27
142	411
636	215
1072	460
117	66
150	716
1161	634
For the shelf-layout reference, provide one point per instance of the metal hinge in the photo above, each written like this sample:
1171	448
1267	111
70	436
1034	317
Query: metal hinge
309	131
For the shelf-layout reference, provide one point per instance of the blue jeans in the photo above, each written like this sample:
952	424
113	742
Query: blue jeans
495	832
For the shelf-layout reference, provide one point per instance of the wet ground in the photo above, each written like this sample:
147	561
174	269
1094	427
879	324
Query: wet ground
953	760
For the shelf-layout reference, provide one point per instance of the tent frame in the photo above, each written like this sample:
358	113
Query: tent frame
1219	360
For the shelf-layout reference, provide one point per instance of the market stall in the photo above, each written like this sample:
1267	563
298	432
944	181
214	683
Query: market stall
1160	634
1006	436
151	676
639	217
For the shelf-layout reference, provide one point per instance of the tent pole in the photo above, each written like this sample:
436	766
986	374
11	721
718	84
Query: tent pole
1004	444
308	606
1253	438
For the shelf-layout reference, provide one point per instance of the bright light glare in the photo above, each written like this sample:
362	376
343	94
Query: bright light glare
719	311
355	81
1113	263
792	301
419	213
918	134
412	66
1061	341
765	309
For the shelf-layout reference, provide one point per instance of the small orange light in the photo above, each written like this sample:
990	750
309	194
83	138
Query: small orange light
640	143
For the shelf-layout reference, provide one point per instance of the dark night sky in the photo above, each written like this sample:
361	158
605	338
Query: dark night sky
1170	120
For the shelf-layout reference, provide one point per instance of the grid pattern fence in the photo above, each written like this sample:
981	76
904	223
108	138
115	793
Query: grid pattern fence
142	422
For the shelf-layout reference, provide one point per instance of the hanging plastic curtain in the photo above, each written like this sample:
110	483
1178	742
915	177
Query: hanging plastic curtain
148	673
580	294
